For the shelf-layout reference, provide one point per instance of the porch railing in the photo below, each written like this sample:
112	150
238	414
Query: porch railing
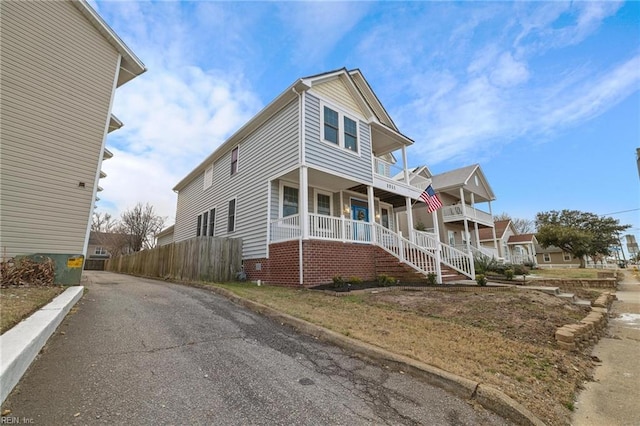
286	228
455	213
422	257
424	239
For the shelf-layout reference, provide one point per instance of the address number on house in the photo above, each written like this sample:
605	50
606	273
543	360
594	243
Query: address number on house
391	186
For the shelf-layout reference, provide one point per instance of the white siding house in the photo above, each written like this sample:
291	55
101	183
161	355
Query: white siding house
311	185
60	67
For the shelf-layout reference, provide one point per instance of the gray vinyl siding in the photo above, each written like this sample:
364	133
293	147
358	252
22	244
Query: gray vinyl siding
323	154
57	76
271	149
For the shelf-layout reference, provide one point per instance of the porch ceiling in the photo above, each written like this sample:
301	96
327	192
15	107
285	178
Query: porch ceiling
385	196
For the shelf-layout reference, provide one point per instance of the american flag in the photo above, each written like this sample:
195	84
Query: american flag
429	196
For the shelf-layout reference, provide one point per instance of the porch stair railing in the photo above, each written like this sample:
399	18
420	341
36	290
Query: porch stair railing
425	259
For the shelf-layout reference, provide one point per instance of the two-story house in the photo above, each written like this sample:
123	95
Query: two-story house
60	67
461	220
505	244
311	185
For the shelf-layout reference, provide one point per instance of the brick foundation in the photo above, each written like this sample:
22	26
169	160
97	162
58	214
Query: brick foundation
324	260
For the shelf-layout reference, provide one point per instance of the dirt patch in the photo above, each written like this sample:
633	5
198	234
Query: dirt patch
525	315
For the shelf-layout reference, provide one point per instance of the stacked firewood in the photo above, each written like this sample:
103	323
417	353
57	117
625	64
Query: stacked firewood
26	271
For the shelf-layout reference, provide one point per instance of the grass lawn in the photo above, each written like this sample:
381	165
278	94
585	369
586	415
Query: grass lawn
569	273
17	303
502	338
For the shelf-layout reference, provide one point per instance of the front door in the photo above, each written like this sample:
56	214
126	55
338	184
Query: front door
360	213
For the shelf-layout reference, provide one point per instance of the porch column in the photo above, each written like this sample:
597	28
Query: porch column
493	230
409	218
436	231
466	222
372	212
304	202
404	164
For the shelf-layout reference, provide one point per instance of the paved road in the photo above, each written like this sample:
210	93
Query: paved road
138	351
612	398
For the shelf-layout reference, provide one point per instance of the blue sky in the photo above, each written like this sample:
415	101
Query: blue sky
544	95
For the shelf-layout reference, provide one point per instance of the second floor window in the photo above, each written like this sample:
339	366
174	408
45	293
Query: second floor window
339	129
101	251
234	161
350	134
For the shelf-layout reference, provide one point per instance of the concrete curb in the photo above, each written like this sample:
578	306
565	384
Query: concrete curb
20	345
487	396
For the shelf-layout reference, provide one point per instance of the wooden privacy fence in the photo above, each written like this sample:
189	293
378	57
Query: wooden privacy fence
197	259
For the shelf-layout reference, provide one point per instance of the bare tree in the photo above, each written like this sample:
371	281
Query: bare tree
141	225
522	226
102	222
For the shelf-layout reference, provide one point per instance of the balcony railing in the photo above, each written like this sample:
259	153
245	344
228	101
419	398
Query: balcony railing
455	213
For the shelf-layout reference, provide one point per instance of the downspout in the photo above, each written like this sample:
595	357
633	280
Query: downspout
301	160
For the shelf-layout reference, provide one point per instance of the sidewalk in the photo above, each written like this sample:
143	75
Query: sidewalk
612	398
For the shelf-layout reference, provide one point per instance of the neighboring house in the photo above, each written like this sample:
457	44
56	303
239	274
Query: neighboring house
103	245
505	244
60	67
460	220
165	236
553	256
308	185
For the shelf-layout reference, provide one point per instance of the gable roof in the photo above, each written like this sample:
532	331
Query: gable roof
522	238
454	179
288	95
486	234
130	65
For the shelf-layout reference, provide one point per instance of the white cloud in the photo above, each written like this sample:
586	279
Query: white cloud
319	26
509	72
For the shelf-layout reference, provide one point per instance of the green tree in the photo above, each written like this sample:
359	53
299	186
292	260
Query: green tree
579	233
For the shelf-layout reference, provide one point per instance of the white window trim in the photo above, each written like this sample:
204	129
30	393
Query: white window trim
235	215
341	114
546	257
317	191
103	251
564	256
281	197
208	183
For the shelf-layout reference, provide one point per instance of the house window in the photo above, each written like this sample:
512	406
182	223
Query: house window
350	134
205	223
344	135
330	125
101	251
289	201
234	161
208	177
199	228
231	219
546	257
566	256
384	218
323	204
212	222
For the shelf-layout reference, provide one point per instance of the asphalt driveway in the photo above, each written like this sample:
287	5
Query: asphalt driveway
137	351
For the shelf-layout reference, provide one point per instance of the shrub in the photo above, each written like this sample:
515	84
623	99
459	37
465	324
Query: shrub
354	280
520	270
481	280
484	264
384	280
431	279
508	273
338	282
